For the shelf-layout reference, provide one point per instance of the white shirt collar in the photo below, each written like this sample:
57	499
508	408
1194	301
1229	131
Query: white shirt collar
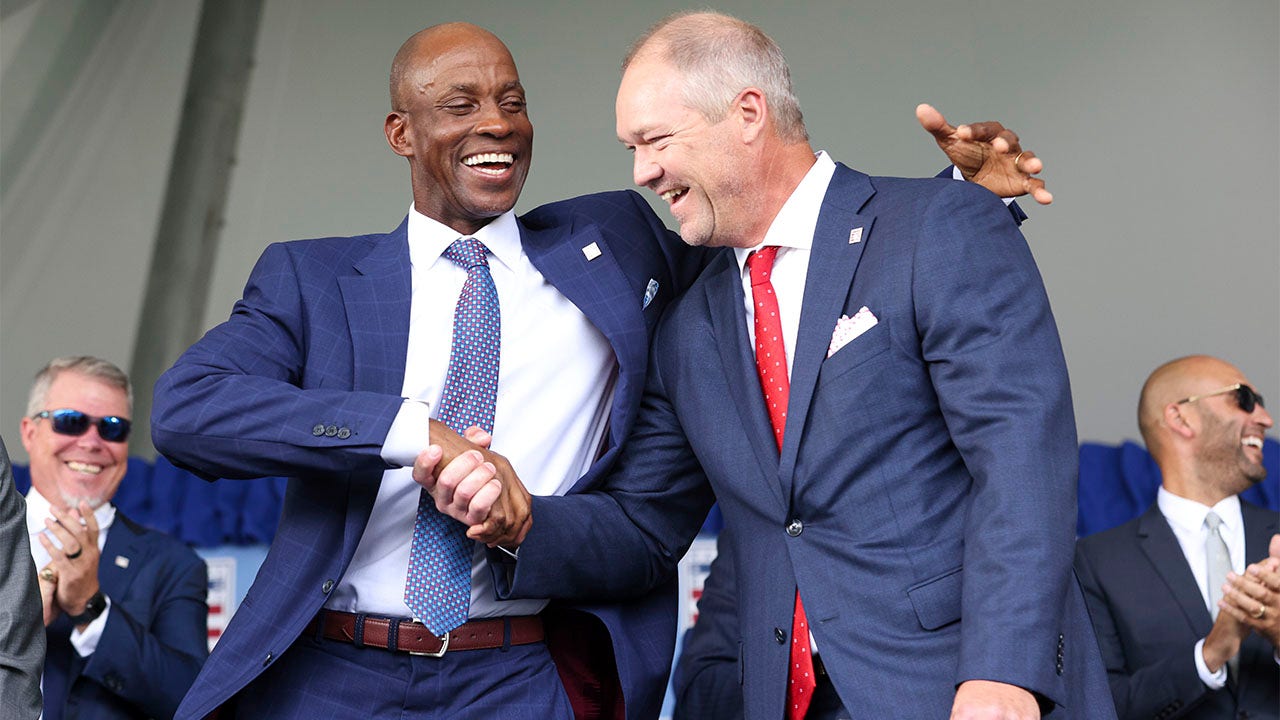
39	508
1188	515
429	238
796	222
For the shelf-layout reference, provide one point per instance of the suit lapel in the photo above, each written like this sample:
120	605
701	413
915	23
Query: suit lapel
1158	543
838	240
1259	526
601	290
377	302
723	287
377	305
122	555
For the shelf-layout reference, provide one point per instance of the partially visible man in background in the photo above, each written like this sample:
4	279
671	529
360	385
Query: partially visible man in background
21	642
124	606
1153	584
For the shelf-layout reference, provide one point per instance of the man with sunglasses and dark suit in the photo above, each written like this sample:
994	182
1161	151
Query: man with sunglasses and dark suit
125	614
1185	599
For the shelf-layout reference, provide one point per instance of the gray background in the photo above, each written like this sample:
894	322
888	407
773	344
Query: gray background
1157	120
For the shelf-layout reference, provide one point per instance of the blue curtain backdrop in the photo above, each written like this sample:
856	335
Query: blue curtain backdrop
1117	483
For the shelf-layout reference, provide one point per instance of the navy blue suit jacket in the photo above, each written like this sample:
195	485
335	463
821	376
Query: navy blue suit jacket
319	340
1149	614
923	501
155	639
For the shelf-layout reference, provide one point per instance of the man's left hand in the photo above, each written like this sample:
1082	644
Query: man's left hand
1254	598
76	562
988	700
989	154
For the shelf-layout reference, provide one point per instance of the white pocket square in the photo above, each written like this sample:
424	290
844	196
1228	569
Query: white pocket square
848	328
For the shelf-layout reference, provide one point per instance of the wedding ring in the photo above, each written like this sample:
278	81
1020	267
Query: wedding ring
76	554
1016	159
47	574
1262	610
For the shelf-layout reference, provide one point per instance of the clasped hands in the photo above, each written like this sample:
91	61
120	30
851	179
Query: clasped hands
475	486
71	577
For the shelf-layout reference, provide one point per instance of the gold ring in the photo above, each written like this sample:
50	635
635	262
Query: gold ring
1016	159
47	574
1262	610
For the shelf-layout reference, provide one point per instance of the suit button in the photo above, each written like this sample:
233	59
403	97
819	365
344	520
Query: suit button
317	430
344	433
331	431
269	658
780	636
328	585
795	528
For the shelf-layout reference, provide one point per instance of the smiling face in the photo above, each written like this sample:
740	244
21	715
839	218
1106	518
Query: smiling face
67	469
696	166
459	117
1230	450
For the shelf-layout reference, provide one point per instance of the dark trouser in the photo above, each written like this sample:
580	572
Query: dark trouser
318	679
826	703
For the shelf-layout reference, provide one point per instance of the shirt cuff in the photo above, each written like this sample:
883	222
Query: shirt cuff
1212	680
409	435
957	175
86	641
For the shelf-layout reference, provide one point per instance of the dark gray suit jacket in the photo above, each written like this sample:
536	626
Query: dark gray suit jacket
1148	614
21	624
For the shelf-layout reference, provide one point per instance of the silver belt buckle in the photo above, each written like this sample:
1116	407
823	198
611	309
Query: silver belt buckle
444	647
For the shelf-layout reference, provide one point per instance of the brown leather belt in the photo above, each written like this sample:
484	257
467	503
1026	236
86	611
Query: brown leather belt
414	638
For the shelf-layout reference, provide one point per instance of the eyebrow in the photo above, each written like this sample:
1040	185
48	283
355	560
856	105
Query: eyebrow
473	90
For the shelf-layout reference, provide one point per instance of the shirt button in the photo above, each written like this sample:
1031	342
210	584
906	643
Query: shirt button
795	528
780	636
328	585
317	430
331	431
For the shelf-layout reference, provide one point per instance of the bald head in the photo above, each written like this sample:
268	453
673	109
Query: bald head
415	58
1174	381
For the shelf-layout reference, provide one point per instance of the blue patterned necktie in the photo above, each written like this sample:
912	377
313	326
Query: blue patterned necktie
438	586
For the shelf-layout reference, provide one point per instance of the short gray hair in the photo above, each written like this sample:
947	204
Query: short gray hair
719	56
87	365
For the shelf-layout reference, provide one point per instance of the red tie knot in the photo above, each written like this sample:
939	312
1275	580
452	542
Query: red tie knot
761	264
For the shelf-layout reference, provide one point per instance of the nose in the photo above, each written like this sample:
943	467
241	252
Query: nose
1262	416
493	121
645	170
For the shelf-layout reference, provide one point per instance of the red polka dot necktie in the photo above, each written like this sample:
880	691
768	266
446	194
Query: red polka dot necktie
771	366
438	584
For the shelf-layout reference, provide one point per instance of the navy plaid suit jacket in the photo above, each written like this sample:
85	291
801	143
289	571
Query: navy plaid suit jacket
304	379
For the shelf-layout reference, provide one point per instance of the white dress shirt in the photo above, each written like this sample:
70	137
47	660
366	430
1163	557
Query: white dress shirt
38	508
1186	518
792	231
555	389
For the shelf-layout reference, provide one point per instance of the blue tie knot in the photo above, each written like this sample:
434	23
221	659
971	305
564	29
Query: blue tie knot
468	252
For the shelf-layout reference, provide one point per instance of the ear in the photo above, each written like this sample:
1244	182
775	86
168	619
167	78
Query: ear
1177	422
751	110
28	433
396	127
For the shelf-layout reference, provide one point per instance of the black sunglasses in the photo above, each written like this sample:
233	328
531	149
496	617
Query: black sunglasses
111	428
1246	398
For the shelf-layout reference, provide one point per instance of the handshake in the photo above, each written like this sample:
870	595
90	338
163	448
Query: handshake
475	486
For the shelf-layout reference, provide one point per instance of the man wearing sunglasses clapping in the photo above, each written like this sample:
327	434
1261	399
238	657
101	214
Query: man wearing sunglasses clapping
1185	599
124	607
